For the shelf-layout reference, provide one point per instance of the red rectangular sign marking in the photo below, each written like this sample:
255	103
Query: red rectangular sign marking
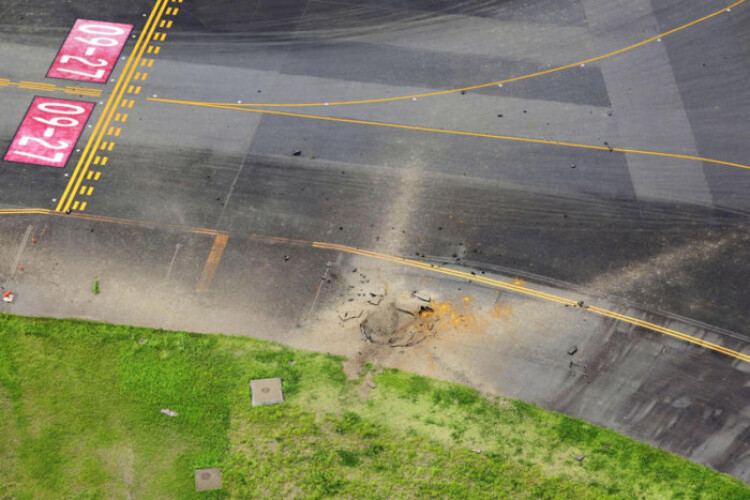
90	52
49	132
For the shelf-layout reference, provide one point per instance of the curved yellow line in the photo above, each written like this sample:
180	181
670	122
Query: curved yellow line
498	82
453	132
540	295
523	290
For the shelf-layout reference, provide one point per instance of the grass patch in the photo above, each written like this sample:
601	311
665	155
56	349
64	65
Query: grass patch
81	413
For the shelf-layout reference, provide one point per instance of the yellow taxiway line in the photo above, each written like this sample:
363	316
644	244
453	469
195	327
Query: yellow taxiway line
102	124
454	132
221	238
507	80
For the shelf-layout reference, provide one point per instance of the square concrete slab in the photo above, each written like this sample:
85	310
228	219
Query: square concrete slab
207	479
266	391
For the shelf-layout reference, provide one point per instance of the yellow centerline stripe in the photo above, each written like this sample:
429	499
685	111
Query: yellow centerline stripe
507	80
538	294
454	132
112	102
411	263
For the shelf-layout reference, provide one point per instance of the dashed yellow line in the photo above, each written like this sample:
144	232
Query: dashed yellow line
67	200
456	132
123	86
507	80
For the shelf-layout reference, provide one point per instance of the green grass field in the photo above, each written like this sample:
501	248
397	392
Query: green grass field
80	405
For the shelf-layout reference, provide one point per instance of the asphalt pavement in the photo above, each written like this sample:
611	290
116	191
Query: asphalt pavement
595	148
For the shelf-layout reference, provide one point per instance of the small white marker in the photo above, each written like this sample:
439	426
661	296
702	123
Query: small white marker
101	102
78	150
729	10
89	126
499	84
55	199
90	51
658	39
122	58
239	102
583	65
49	131
325	104
111	79
144	15
413	98
155	95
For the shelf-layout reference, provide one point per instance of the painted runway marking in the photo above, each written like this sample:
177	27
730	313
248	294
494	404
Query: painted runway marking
67	200
50	87
507	80
171	262
510	286
593	147
19	254
212	263
49	117
86	38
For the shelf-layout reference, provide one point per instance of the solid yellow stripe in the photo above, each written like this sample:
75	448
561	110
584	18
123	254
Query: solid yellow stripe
542	295
222	237
508	80
117	94
103	120
453	132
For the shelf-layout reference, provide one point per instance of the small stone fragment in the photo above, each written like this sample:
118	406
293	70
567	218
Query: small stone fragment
572	350
168	412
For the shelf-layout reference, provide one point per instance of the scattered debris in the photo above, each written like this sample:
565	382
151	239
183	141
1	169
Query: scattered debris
580	457
421	296
297	153
375	300
572	349
168	412
142	341
286	258
9	297
581	305
477	451
399	325
347	315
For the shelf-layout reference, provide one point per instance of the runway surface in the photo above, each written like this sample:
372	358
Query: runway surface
592	151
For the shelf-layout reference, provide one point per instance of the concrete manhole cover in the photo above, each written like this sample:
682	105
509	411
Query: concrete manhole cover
266	391
207	479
